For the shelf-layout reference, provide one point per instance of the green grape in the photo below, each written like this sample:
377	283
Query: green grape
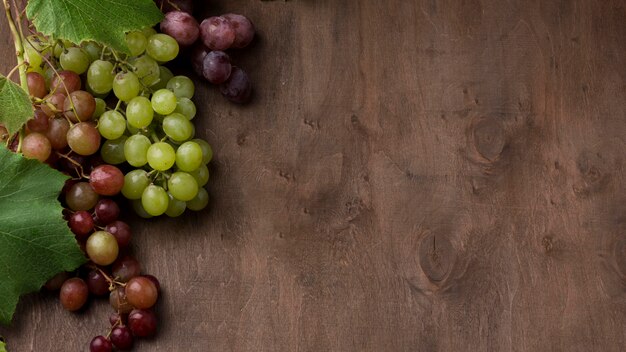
139	112
154	200
58	48
100	76
148	32
161	156
138	207
177	127
93	49
112	125
162	47
126	86
32	56
164	76
182	186
200	201
112	151
186	107
201	175
163	102
136	150
146	69
75	59
207	151
136	42
175	207
101	106
182	87
189	156
135	182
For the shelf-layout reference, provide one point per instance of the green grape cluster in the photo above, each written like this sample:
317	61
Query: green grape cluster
150	127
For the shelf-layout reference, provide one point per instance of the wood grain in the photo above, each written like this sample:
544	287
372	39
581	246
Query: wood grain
432	175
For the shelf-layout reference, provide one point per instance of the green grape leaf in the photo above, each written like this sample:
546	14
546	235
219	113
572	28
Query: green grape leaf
103	21
35	241
15	105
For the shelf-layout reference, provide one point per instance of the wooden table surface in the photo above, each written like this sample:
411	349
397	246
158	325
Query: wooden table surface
436	175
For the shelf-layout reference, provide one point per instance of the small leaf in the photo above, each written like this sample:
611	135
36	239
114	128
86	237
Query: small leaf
35	241
15	105
104	21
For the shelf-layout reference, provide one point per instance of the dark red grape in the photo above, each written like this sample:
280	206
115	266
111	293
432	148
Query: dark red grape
97	283
100	344
121	231
56	281
79	106
36	84
57	133
53	104
216	67
237	88
155	281
81	223
122	338
244	29
66	82
73	294
106	211
217	33
125	268
106	180
142	322
39	123
182	27
117	318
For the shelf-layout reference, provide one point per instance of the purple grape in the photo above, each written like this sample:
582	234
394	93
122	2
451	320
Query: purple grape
217	33
100	344
244	29
216	67
142	322
237	88
197	58
97	283
121	231
106	211
182	27
122	338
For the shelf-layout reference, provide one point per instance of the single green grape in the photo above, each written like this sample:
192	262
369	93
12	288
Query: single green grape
182	186
100	76
186	107
161	156
112	125
139	112
162	47
175	207
136	42
136	150
201	175
139	210
126	86
154	200
200	201
182	86
135	182
148	32
93	49
188	156
112	151
177	127
163	102
207	151
32	56
101	106
164	76
146	69
74	59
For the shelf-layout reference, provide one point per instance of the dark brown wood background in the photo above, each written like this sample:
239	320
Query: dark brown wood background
438	175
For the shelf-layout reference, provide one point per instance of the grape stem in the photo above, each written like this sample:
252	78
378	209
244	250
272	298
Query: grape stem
19	45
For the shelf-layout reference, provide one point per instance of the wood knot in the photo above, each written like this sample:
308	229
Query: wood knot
547	243
489	139
436	256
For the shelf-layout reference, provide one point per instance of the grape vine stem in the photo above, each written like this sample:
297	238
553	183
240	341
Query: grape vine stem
19	45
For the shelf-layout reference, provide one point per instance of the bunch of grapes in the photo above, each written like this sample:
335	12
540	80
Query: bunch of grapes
209	40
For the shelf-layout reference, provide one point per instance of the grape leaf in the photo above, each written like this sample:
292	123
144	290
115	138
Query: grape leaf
15	105
104	21
35	241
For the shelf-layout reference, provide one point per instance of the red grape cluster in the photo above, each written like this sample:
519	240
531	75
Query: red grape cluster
209	39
